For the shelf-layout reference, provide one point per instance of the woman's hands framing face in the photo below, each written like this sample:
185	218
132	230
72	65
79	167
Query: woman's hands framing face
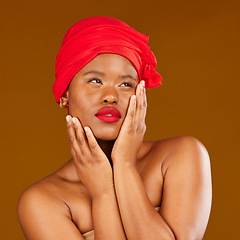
92	165
131	134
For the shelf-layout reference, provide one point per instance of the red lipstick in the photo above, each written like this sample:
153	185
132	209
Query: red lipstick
108	114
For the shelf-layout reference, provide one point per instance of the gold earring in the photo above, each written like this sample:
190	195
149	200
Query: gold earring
61	105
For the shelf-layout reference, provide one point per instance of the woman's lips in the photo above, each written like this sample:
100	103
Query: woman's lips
108	114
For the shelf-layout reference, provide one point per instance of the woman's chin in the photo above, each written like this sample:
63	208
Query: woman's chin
104	135
106	139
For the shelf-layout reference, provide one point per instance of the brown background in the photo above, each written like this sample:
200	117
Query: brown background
197	47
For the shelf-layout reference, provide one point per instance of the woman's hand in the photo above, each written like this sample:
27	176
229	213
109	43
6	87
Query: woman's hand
92	165
131	134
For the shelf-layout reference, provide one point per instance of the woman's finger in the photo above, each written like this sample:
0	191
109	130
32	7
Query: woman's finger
144	105
93	144
130	116
142	102
79	131
80	136
139	105
74	147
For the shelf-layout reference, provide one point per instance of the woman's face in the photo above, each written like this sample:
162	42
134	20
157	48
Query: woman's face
106	84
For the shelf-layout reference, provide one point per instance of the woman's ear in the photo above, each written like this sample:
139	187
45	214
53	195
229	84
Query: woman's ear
64	98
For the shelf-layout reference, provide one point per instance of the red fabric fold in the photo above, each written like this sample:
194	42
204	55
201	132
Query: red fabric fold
92	36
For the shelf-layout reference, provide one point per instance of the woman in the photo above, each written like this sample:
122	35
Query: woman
116	186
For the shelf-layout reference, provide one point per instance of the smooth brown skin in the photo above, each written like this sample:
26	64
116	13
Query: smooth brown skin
118	202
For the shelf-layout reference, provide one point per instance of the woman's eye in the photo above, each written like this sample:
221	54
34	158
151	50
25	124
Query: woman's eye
95	80
126	84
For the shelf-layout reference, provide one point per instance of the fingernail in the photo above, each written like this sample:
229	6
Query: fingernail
67	118
74	121
143	83
139	88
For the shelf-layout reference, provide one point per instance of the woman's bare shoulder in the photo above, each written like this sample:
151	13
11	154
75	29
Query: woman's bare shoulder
173	142
51	186
186	171
42	209
43	191
175	149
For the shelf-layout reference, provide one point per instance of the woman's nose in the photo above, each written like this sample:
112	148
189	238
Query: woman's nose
110	96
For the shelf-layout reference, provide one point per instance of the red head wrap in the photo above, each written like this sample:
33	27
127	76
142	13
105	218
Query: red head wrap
92	36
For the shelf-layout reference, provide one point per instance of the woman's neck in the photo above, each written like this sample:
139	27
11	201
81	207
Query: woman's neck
106	147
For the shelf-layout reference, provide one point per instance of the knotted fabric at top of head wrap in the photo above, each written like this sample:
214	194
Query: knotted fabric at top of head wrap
95	35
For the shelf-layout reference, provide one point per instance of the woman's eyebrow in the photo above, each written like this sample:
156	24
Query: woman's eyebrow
94	72
102	74
128	76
